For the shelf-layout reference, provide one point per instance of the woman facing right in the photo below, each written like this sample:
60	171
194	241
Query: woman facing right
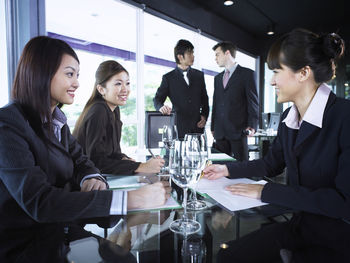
313	143
98	129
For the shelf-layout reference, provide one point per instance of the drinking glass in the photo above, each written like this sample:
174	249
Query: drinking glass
193	249
185	165
169	135
196	204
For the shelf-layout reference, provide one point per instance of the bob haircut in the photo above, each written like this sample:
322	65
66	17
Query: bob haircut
301	48
39	62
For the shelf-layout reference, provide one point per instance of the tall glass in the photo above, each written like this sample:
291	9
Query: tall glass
193	249
185	165
196	204
169	135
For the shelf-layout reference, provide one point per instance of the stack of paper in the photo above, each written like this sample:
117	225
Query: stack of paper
220	157
129	183
171	203
216	190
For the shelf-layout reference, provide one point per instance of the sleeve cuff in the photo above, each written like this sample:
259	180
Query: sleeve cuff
119	203
98	176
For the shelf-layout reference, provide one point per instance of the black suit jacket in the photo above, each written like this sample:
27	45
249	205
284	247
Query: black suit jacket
189	101
99	135
39	182
236	107
318	169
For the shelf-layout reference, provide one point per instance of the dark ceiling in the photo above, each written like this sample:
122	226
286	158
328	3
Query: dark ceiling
254	16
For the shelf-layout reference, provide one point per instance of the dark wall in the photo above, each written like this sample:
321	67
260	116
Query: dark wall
188	12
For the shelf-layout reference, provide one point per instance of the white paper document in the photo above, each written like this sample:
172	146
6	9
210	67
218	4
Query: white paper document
171	203
219	157
216	190
129	183
124	182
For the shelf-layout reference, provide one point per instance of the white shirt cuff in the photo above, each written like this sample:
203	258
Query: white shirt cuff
119	203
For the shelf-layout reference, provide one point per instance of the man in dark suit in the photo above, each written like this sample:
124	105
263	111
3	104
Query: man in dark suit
185	87
235	104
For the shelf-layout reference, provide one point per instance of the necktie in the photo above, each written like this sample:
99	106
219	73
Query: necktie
185	77
226	78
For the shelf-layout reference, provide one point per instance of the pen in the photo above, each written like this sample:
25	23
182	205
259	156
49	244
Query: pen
151	153
148	227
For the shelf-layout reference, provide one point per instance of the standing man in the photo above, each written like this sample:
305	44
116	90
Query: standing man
185	87
235	104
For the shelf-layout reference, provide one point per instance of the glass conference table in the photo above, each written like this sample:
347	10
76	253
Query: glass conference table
144	236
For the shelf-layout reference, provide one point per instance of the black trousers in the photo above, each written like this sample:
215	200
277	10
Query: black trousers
264	245
238	149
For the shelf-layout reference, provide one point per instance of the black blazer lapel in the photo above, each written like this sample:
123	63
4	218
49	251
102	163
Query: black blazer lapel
189	76
181	77
63	145
307	130
219	80
233	77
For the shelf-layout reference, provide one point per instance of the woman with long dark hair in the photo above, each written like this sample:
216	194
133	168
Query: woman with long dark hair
98	128
45	179
314	145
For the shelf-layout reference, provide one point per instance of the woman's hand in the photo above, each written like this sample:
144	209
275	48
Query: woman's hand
149	196
215	171
248	190
153	165
93	184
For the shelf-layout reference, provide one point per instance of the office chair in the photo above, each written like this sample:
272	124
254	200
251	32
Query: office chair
154	127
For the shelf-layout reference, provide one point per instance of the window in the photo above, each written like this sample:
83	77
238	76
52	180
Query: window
4	94
269	92
160	38
144	45
99	33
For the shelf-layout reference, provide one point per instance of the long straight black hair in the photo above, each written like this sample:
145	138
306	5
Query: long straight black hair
39	62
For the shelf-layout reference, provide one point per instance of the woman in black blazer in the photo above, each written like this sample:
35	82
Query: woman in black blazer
314	145
45	179
98	129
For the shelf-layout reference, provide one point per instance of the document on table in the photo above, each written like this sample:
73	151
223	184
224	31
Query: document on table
219	157
129	183
171	203
124	182
216	190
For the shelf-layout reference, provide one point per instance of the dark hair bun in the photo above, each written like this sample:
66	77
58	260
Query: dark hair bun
333	45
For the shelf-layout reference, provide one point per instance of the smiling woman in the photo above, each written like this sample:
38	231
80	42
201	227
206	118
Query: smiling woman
116	91
44	176
65	82
99	127
312	143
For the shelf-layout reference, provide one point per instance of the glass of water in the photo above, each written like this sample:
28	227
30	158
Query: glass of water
196	204
185	165
169	135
